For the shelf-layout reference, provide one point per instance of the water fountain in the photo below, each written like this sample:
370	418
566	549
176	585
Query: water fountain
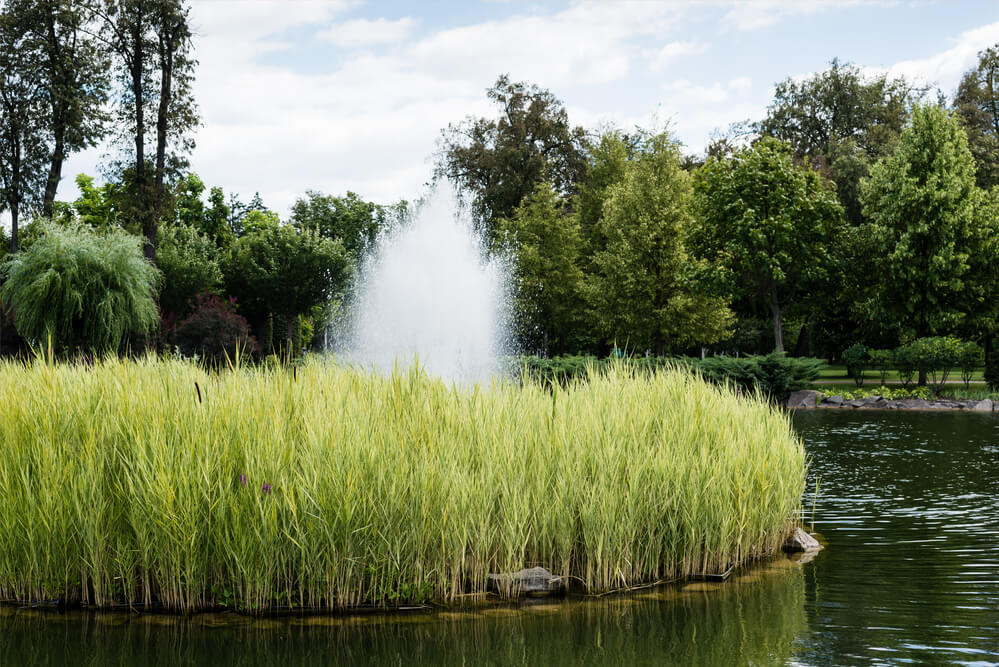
428	295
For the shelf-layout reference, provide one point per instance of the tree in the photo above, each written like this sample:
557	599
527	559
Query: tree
544	241
977	106
920	203
495	163
841	121
643	293
190	266
72	66
23	118
607	162
151	41
355	222
277	270
769	223
81	289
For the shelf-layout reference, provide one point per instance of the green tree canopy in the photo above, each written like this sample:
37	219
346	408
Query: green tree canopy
544	241
355	222
275	269
920	203
643	294
81	288
769	223
190	266
495	163
841	120
977	105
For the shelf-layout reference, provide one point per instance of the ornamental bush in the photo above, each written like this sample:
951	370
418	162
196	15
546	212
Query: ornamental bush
214	332
81	289
857	358
969	357
882	361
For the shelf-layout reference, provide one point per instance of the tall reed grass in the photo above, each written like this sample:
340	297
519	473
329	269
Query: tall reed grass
153	480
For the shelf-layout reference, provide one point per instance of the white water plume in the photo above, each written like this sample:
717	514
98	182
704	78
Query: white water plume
428	295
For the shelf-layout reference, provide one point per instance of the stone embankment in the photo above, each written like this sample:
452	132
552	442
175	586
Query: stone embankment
815	399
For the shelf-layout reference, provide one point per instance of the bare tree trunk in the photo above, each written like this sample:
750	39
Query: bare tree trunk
142	190
778	322
162	117
55	175
14	211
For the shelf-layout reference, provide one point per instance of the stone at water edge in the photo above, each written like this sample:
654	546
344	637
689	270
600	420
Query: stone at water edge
532	580
983	406
807	398
833	400
801	541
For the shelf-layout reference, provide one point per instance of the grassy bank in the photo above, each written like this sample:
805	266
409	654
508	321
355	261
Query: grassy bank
334	487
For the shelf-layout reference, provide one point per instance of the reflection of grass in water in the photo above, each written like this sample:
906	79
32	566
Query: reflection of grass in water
152	480
752	622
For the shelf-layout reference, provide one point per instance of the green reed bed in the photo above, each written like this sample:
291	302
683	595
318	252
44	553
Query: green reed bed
333	487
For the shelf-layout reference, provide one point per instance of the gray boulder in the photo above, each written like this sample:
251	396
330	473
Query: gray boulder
982	406
533	581
807	398
915	403
801	541
835	400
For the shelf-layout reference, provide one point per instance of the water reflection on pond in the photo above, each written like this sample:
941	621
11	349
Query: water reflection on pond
909	503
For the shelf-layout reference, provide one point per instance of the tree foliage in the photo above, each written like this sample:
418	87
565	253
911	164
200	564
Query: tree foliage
23	117
151	44
544	240
81	289
920	203
643	293
977	106
496	162
351	220
841	120
277	270
190	264
769	223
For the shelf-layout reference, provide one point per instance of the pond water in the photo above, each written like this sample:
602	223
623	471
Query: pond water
909	503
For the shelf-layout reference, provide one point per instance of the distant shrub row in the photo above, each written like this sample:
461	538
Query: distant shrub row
937	357
774	375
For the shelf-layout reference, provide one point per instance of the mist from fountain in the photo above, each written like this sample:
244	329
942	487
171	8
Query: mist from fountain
428	295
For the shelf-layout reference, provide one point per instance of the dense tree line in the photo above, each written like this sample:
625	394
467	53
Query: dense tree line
854	211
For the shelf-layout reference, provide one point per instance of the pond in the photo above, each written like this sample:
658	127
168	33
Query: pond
909	503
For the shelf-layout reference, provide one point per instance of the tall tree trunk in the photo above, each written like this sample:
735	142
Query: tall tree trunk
778	322
803	346
58	116
55	173
14	210
166	40
141	187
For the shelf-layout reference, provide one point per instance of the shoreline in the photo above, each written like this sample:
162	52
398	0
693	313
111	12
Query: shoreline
811	399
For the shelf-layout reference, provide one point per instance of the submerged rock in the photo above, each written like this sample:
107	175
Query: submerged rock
807	398
535	580
801	541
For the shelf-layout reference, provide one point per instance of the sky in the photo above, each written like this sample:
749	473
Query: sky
341	95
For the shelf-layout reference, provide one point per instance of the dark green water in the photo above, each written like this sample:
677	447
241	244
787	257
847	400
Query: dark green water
909	503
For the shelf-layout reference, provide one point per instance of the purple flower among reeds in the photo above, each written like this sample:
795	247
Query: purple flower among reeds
266	488
242	479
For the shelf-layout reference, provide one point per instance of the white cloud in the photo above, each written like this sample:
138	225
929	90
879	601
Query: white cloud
945	69
660	58
741	84
749	15
685	94
365	32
